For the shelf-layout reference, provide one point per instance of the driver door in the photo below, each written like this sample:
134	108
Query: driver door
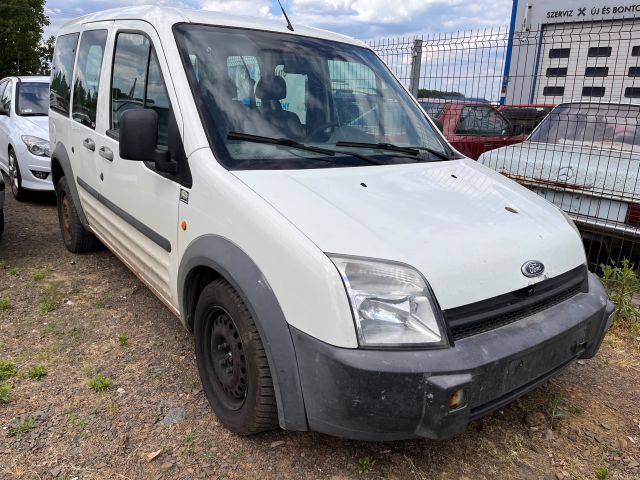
141	219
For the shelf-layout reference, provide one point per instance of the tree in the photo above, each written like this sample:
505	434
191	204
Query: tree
22	23
46	55
424	93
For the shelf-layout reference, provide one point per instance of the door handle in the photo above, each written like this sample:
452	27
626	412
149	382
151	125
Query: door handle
89	144
106	153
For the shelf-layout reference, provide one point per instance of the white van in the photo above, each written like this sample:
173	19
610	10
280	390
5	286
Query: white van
342	268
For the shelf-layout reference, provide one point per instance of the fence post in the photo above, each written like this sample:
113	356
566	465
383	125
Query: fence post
416	66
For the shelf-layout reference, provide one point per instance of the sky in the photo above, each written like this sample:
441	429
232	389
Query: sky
363	19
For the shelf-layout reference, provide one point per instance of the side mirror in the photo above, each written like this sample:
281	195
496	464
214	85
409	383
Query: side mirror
138	135
438	123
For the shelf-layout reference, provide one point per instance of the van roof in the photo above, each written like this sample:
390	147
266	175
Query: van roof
161	17
29	79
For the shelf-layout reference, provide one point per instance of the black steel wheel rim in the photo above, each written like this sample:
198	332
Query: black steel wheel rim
226	357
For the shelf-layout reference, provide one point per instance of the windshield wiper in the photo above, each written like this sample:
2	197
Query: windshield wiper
413	151
287	142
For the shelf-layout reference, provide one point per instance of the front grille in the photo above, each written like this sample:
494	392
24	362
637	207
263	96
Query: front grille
496	312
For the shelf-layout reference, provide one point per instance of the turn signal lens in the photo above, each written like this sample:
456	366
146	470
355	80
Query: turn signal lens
456	399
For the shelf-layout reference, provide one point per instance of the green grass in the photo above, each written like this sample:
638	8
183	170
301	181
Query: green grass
37	276
5	393
23	426
5	304
46	307
553	408
123	339
602	473
13	272
37	372
621	283
7	369
99	383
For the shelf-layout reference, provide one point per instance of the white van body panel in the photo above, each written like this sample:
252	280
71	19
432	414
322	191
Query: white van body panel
457	217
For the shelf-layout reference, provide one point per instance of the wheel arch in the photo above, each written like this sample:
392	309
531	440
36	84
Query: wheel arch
61	167
210	257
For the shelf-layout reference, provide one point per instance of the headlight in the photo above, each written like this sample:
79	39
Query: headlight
37	146
571	222
392	304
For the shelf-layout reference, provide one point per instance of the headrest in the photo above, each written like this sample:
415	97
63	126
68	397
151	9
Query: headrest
270	87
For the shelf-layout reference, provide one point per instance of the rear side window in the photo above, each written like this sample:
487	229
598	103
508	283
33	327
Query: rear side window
87	77
62	72
137	83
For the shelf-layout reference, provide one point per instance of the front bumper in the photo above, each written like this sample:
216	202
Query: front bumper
29	163
392	395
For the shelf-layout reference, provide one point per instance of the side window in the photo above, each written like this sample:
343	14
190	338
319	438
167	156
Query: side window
87	77
2	87
5	100
481	121
129	75
137	83
62	72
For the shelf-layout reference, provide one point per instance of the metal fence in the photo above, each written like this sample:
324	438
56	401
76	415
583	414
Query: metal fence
490	88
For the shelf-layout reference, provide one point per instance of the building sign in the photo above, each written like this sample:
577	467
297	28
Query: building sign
592	12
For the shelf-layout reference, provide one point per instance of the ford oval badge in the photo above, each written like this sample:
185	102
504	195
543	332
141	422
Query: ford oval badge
533	268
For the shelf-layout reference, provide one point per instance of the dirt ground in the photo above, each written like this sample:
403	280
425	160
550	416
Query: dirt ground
66	312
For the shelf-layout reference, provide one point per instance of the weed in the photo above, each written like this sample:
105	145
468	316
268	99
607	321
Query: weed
365	464
46	307
602	473
37	372
7	369
553	408
5	304
22	426
5	393
75	421
189	441
621	283
123	339
37	276
99	383
13	272
576	410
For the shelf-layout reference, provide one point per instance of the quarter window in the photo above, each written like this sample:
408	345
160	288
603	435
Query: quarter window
62	72
137	83
87	77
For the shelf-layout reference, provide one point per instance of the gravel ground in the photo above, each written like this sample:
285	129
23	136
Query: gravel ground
66	312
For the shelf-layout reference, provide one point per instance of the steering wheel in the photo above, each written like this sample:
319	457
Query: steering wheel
322	127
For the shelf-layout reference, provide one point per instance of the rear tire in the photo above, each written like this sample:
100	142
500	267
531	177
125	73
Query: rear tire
76	238
232	363
15	178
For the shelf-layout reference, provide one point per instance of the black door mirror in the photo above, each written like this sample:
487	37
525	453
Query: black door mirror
138	135
438	123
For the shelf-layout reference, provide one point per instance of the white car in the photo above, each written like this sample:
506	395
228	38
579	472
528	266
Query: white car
358	278
585	158
24	134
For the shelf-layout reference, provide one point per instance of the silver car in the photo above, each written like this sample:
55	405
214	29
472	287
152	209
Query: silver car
585	158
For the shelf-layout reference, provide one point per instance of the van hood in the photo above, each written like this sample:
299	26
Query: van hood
454	221
35	126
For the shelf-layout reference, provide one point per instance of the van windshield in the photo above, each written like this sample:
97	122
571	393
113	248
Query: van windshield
278	101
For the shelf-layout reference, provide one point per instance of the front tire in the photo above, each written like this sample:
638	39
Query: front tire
15	178
75	237
232	363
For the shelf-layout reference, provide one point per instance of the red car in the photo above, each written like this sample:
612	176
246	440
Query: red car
472	127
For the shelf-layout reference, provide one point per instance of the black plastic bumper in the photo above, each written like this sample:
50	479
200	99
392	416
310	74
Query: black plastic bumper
392	395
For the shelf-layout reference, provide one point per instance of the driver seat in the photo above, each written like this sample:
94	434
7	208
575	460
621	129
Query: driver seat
271	89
